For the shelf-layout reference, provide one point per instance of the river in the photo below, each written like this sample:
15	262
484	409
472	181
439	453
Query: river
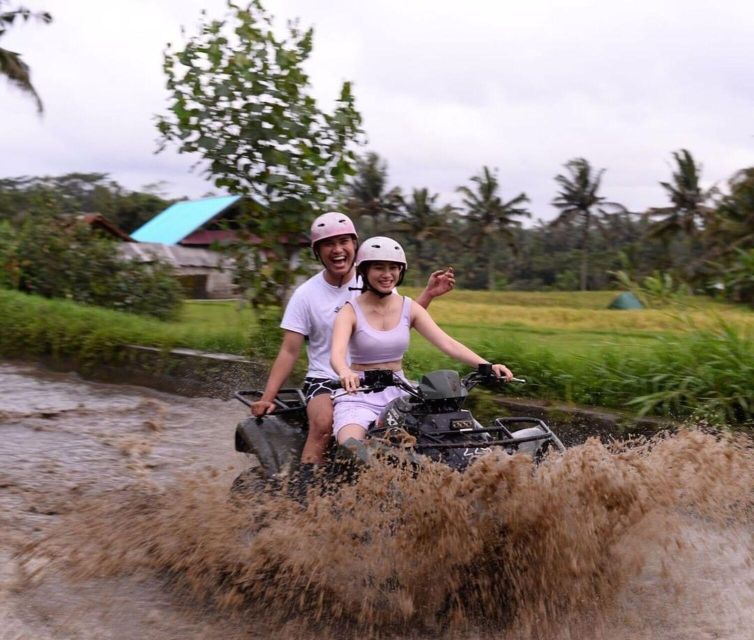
116	523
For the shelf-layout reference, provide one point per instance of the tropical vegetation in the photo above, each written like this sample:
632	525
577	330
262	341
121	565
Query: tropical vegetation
682	361
240	99
12	65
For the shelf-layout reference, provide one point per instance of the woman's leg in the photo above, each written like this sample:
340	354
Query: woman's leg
355	431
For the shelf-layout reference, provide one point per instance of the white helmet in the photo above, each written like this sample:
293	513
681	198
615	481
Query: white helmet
332	224
380	249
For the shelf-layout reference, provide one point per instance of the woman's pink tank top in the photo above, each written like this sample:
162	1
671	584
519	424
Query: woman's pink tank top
369	345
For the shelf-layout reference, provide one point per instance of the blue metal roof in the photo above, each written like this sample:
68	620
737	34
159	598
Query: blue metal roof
181	219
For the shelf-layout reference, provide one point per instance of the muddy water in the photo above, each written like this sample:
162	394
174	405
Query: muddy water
116	524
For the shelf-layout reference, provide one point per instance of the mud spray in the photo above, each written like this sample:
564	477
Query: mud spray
507	550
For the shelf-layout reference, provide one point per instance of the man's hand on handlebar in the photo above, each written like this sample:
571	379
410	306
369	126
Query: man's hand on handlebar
262	407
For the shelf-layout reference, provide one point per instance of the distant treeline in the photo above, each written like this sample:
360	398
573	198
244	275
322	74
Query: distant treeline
700	239
76	193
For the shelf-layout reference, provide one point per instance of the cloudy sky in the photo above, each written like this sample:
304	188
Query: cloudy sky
444	88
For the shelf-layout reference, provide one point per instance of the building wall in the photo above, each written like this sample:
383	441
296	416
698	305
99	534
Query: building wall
206	283
220	285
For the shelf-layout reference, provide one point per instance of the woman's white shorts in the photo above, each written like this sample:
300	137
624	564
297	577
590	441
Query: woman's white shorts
362	408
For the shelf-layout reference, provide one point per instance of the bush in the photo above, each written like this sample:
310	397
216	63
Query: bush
266	336
738	277
56	258
702	374
8	260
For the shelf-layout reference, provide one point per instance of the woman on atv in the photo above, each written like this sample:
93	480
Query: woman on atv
374	329
308	320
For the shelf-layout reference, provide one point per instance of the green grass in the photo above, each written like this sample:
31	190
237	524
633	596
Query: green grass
566	344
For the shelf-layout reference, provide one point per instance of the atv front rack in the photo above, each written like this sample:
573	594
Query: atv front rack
500	428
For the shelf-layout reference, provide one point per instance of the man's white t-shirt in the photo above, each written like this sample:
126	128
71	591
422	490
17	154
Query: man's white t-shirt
311	312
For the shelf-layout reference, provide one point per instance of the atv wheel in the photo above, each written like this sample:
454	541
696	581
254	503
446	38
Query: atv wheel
249	483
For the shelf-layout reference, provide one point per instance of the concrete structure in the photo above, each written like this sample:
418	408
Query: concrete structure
202	272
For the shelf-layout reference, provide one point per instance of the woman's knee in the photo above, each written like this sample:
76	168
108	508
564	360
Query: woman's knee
355	431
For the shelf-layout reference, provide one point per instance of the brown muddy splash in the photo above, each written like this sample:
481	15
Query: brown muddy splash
506	550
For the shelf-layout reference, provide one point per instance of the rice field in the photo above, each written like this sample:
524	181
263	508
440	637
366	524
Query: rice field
696	355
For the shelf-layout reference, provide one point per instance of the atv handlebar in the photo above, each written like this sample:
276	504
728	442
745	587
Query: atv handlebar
374	380
282	407
485	375
380	379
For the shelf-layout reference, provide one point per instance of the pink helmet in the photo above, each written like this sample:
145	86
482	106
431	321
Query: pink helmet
332	224
380	249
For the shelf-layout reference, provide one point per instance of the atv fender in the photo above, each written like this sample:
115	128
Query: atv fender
276	444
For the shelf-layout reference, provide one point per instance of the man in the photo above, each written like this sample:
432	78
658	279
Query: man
309	317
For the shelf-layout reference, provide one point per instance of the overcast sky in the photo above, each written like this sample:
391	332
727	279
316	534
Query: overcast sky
444	88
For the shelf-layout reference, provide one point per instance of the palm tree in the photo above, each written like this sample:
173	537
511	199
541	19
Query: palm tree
491	219
686	214
367	197
11	65
420	222
730	226
577	201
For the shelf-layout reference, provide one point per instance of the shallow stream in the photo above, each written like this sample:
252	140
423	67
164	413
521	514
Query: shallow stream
116	523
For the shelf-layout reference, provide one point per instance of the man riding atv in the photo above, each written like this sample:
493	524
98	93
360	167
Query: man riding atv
309	317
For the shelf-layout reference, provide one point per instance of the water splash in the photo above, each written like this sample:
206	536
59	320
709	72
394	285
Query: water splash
507	549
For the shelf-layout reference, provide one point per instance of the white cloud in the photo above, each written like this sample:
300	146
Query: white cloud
444	89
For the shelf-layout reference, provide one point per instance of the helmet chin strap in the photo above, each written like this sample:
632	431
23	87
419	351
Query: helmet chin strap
377	292
366	286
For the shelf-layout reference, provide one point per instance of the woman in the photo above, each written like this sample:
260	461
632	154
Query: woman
374	331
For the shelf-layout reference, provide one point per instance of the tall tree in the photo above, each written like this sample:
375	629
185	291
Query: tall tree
240	98
729	240
368	199
579	201
11	65
491	220
731	225
420	222
686	214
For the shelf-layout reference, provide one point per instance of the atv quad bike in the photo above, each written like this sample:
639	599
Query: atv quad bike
428	421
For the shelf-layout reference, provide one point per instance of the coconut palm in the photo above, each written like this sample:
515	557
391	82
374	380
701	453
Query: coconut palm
490	220
368	199
579	201
420	222
686	214
11	65
731	224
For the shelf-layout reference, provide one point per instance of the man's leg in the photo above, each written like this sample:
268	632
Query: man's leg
319	412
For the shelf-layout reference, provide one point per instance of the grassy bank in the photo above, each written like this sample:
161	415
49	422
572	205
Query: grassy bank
568	346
